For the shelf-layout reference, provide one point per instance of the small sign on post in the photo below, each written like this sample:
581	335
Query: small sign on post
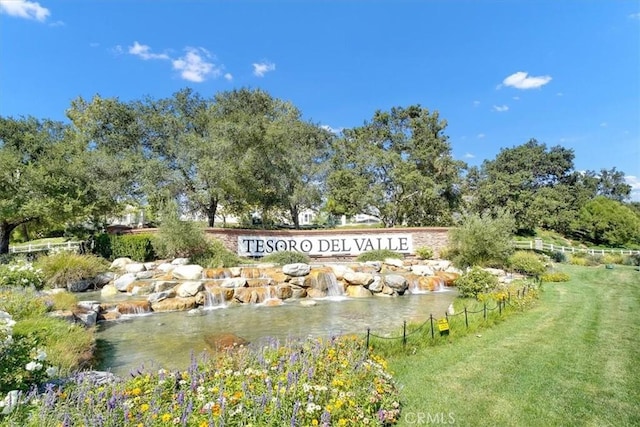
443	326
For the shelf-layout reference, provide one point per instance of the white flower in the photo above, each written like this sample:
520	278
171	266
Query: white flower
33	366
52	371
42	355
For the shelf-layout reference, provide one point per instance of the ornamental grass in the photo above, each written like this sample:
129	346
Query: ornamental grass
308	382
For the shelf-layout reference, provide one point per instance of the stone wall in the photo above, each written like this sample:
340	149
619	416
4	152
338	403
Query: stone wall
436	238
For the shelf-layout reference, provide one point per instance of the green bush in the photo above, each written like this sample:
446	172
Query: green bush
526	263
216	256
179	239
555	277
286	257
22	303
21	274
67	267
558	256
378	255
613	259
576	260
138	247
424	252
633	259
482	240
475	281
23	363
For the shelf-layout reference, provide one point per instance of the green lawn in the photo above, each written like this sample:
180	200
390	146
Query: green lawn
573	359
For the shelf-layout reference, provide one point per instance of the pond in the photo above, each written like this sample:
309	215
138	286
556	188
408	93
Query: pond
169	339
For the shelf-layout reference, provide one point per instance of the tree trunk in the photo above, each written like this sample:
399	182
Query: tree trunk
211	212
5	234
294	216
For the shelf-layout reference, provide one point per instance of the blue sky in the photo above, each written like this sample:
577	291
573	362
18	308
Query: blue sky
500	72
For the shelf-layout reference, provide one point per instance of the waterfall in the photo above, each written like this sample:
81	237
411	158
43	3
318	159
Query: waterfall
334	289
214	299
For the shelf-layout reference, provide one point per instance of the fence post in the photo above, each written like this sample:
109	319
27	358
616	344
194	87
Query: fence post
466	319
404	333
485	311
368	333
432	333
500	306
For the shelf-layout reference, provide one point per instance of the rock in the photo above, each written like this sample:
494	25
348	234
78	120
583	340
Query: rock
322	279
297	281
187	272
448	278
79	285
250	295
440	264
103	278
134	267
376	265
235	271
308	303
159	296
316	293
296	270
109	291
234	282
120	263
180	261
64	315
141	288
362	279
272	302
376	285
298	292
358	291
387	290
189	289
109	315
216	273
87	317
89	305
165	267
195	312
164	285
339	270
251	272
143	275
395	262
134	307
259	283
150	265
275	274
224	341
396	282
284	292
123	282
174	304
422	270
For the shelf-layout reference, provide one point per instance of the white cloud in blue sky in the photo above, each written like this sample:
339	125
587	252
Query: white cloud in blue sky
500	108
144	52
261	68
194	66
24	9
522	80
634	182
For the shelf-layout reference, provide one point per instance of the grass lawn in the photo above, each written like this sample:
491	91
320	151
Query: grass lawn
573	359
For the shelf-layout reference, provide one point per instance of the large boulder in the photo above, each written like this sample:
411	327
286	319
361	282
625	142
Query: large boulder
396	282
358	291
394	262
187	272
108	291
120	263
189	289
234	282
297	269
174	304
422	270
159	296
134	267
79	285
123	282
362	279
134	307
164	285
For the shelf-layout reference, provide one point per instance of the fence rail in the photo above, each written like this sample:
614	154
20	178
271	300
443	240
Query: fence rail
45	247
542	246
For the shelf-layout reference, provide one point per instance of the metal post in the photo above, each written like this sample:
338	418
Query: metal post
432	332
404	333
466	319
368	333
500	306
485	311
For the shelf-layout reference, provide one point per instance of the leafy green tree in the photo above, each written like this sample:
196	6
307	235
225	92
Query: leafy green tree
398	168
604	221
45	175
521	179
482	239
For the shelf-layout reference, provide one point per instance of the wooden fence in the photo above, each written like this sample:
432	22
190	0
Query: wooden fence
67	246
542	246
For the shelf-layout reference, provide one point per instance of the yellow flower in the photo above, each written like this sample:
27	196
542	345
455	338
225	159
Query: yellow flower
136	391
314	422
203	424
166	417
144	407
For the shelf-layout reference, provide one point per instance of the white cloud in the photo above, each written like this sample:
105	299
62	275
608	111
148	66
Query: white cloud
194	65
144	52
635	15
500	108
469	156
228	76
480	135
57	24
476	103
24	9
634	182
335	131
522	80
559	94
261	68
517	98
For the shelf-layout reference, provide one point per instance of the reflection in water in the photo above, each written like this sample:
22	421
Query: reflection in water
168	340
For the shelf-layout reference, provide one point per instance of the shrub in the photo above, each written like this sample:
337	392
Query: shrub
558	256
378	255
633	259
21	274
613	259
482	240
138	247
62	301
23	363
424	252
475	281
22	303
555	277
575	260
177	238
286	257
216	256
67	267
527	263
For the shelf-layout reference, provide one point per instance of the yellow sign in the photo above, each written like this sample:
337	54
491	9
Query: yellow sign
443	324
